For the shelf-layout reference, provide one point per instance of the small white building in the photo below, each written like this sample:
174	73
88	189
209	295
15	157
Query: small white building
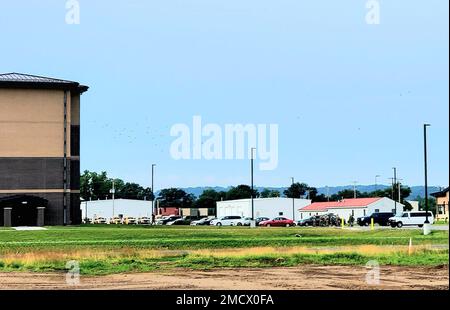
263	207
357	207
120	207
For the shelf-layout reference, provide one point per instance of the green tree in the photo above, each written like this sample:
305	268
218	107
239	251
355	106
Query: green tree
208	199
296	190
241	192
267	193
175	198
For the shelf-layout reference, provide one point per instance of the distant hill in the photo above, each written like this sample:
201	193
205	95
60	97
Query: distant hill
415	190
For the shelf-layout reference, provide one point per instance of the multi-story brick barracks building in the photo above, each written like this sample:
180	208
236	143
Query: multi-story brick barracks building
39	150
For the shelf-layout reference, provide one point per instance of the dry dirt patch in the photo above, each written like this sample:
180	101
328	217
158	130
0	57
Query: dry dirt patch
296	278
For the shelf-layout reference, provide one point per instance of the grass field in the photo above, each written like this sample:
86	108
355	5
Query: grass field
106	249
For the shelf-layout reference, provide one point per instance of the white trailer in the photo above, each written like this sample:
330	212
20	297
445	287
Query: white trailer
263	207
120	207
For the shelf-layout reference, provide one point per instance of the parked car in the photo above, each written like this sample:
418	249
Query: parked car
144	220
115	220
246	221
225	220
260	219
310	221
411	218
203	221
178	222
165	220
99	220
278	221
380	218
129	220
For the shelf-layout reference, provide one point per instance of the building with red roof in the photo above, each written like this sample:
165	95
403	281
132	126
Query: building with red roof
357	207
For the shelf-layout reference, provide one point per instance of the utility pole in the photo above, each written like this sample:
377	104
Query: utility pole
251	169
113	191
393	189
376	182
153	192
426	170
354	188
293	200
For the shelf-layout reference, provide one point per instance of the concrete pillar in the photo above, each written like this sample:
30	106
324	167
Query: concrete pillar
7	217
40	216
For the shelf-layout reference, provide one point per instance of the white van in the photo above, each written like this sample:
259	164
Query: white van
411	218
226	220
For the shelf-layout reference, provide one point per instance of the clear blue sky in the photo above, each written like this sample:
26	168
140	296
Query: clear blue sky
350	98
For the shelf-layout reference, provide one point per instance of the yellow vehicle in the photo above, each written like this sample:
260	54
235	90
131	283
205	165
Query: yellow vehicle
115	220
130	221
99	220
144	220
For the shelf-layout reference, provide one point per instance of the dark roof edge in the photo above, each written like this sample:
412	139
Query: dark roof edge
74	87
440	193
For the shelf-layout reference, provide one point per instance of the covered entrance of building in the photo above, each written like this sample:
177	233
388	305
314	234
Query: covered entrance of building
22	210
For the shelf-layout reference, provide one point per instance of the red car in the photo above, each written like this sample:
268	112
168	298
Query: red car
278	221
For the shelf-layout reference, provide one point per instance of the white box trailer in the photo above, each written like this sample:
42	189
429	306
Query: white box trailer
263	207
121	207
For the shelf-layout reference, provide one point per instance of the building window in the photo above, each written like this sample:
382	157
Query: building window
364	212
377	210
353	212
280	213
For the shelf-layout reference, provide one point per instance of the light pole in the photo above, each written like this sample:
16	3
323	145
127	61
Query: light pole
153	192
113	191
251	168
376	182
293	200
426	171
394	180
354	189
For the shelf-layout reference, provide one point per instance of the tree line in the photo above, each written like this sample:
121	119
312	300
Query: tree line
96	186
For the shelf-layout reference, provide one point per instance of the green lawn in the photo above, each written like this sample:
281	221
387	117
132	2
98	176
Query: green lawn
163	237
111	249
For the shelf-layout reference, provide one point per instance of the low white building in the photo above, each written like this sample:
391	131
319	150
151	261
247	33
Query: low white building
263	207
120	207
357	207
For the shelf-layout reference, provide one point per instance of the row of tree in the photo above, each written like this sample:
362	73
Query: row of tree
98	186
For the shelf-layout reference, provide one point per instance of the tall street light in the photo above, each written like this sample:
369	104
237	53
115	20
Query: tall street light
153	192
376	182
113	192
293	200
394	180
426	170
354	188
251	168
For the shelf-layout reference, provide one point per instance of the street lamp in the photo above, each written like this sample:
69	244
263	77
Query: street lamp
113	191
426	175
376	182
251	168
293	200
354	188
153	193
394	180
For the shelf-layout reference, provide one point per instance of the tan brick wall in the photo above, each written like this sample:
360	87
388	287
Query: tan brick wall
32	122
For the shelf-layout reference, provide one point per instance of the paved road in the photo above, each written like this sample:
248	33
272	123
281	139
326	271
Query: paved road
433	227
